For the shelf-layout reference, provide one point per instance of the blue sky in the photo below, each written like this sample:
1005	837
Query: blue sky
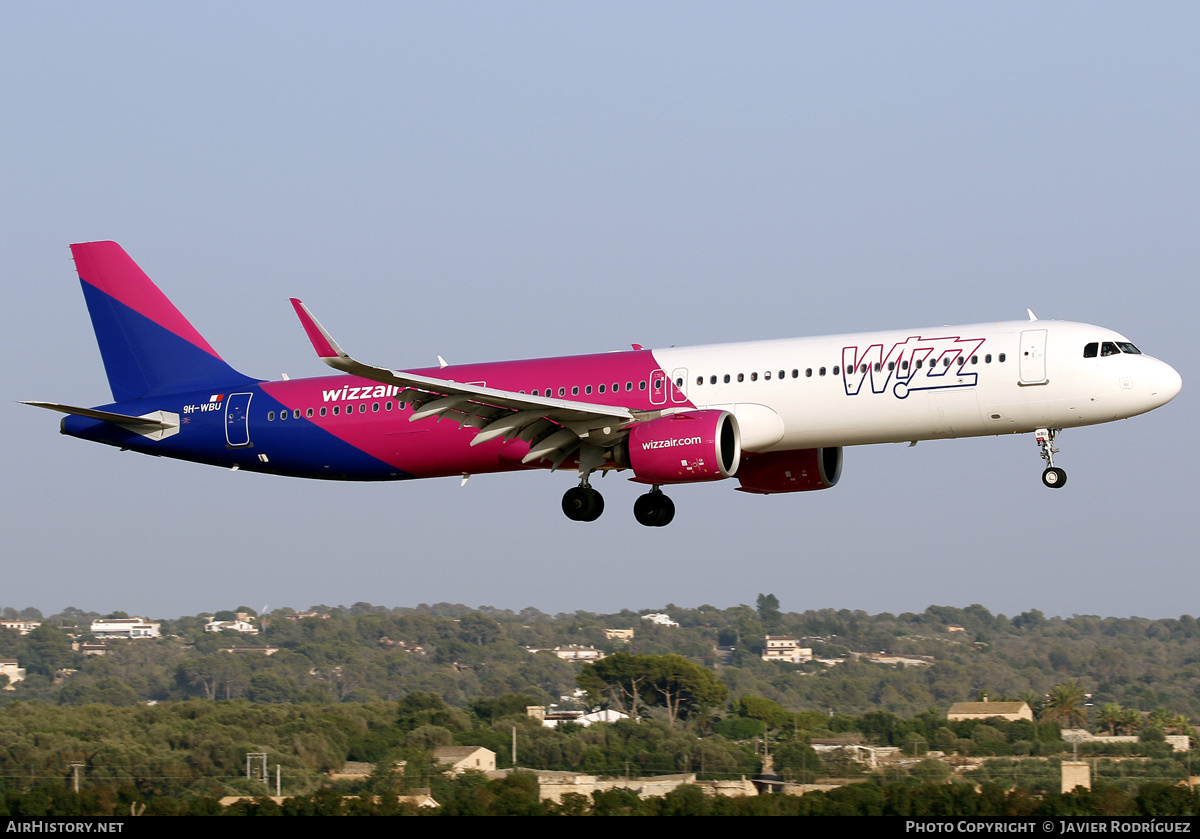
489	181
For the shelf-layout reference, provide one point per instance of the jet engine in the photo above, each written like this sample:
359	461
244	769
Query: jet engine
684	448
796	471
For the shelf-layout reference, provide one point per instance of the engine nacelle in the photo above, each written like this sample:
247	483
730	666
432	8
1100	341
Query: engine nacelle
797	471
684	448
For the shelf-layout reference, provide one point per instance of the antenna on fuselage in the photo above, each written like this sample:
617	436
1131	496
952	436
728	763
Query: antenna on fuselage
1032	316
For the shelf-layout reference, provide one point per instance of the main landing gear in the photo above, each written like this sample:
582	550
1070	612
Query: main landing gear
654	509
582	503
1052	477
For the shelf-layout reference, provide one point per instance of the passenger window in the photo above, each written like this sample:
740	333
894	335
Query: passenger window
1000	358
808	373
712	380
754	377
628	387
296	414
374	407
987	359
575	390
283	415
726	378
387	406
362	408
588	390
336	410
309	412
679	382
562	391
601	388
822	371
741	377
322	411
835	370
270	416
767	376
642	385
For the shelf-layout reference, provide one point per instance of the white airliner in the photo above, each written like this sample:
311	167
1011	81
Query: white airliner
772	415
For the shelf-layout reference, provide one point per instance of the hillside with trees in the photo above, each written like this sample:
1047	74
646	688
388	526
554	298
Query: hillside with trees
171	719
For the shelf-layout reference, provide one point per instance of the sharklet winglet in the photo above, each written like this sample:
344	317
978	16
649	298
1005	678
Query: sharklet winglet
322	341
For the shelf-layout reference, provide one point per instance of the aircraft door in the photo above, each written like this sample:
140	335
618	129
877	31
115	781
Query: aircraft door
1033	357
658	387
237	419
679	380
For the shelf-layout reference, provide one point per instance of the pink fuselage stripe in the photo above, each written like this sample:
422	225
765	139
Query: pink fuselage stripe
430	448
106	267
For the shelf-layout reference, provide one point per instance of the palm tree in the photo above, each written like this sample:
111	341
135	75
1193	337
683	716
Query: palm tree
1065	705
1110	717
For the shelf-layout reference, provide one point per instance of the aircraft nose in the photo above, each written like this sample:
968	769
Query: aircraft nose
1165	383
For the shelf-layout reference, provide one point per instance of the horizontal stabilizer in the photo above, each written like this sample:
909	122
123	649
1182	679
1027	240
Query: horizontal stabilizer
156	426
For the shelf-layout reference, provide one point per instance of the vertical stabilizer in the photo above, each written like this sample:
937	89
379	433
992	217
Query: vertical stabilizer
147	345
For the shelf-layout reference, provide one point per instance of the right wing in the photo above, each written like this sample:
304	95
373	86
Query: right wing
554	428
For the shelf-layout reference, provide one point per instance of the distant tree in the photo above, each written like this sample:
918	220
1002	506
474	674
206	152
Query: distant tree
420	708
1065	704
49	648
630	681
768	610
1109	716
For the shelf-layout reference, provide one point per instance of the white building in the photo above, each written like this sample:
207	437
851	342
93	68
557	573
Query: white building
787	649
19	626
660	619
125	628
231	626
8	667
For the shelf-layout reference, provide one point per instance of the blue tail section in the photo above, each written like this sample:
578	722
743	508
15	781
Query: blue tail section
148	346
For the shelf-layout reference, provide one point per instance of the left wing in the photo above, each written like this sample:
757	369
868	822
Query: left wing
554	428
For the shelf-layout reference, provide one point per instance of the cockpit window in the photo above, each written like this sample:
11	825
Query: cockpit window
1091	350
1129	348
1109	348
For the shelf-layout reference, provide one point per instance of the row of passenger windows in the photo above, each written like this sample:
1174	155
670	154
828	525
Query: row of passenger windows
837	370
587	389
337	409
1108	348
616	386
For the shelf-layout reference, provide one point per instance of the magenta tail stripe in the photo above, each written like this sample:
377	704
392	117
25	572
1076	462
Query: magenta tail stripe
106	267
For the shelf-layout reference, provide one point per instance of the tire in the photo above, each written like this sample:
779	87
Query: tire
666	511
1054	477
596	507
645	509
576	503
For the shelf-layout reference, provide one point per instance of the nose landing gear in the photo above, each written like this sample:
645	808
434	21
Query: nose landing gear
1052	477
654	509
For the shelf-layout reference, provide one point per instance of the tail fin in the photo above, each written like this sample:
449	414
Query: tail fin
148	346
